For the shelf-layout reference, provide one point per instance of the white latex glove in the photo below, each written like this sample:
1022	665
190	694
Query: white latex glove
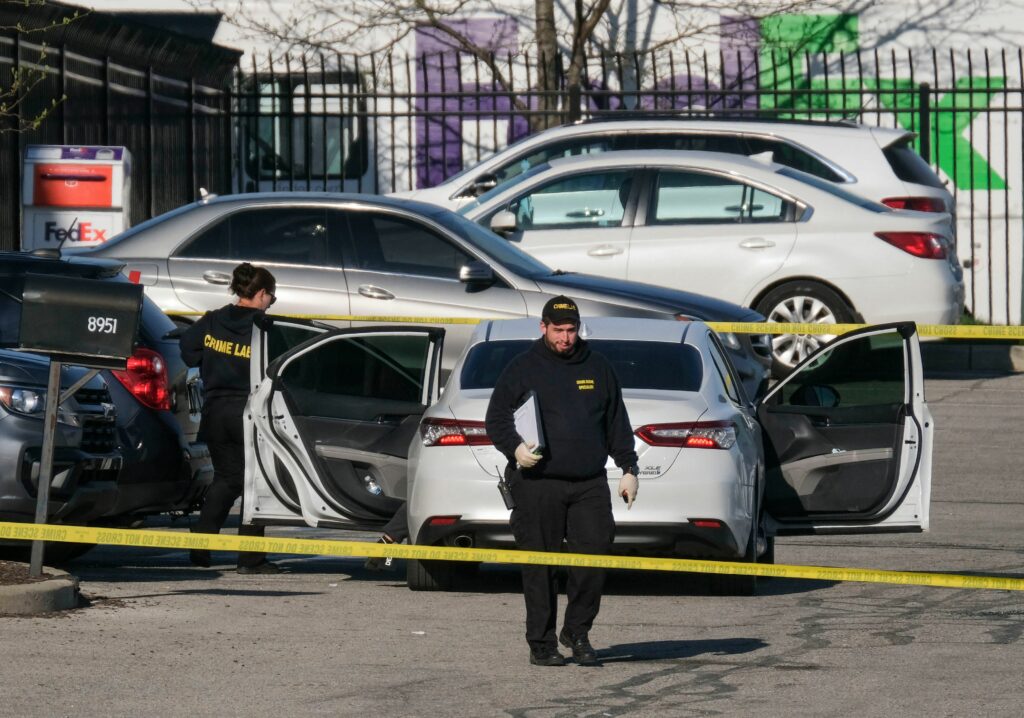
525	456
628	485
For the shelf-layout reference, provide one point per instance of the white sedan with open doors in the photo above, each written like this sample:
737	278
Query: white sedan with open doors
339	418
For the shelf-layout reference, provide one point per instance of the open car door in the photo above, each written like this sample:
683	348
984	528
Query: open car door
330	419
848	438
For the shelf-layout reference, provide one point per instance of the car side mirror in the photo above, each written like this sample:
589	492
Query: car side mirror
504	223
483	183
815	395
476	272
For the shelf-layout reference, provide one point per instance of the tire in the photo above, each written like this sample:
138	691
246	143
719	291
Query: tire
733	585
768	557
803	302
434	575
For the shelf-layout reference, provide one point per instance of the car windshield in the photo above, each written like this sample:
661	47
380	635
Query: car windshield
149	223
504	186
493	246
662	366
476	167
832	189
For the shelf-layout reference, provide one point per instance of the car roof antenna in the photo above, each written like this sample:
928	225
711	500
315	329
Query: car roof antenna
54	252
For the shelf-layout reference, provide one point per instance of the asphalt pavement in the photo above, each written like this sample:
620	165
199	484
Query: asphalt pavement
160	637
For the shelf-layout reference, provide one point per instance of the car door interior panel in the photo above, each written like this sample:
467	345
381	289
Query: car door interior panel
835	430
334	415
355	403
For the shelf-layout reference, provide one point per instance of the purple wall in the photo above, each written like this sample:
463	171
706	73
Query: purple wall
439	137
440	117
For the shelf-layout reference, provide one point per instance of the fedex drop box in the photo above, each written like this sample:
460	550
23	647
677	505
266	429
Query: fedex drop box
74	196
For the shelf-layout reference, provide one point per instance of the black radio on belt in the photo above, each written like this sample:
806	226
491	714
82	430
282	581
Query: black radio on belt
505	490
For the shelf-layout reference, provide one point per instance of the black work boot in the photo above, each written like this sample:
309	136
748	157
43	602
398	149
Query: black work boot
582	652
546	656
265	567
380	563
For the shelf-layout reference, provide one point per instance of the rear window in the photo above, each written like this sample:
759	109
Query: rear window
833	190
637	364
155	325
10	319
786	154
909	166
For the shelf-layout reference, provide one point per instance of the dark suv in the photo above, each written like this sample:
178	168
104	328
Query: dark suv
86	462
157	397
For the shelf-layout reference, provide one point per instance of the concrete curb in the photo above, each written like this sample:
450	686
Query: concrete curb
55	594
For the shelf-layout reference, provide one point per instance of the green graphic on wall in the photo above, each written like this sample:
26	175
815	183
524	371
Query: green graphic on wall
794	90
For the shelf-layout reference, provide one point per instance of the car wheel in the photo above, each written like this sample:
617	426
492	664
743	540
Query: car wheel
801	303
436	575
760	549
722	584
768	555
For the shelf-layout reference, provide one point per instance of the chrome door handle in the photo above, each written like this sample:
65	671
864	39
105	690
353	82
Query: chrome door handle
217	277
757	243
368	290
605	250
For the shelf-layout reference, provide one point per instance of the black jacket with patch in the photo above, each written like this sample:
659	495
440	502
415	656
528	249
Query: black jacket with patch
583	417
219	345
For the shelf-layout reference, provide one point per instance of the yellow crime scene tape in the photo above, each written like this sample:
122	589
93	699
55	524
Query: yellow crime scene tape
150	538
945	331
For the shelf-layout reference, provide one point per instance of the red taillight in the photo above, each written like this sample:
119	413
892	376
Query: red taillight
442	520
146	378
920	244
706	523
690	434
918	204
453	432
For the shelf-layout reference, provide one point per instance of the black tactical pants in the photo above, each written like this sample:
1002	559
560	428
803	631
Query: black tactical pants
548	511
222	430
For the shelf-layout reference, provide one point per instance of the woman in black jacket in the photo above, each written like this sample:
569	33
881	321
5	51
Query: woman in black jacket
219	344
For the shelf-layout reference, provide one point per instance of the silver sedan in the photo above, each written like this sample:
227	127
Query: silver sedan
337	256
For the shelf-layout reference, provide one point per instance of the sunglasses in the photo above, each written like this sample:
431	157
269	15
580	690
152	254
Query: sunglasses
273	298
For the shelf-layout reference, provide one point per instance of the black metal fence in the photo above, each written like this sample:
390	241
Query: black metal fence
115	82
385	123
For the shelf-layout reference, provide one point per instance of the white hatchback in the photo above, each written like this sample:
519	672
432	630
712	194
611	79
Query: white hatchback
876	163
343	425
794	247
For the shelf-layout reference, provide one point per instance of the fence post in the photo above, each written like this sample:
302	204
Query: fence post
150	143
106	100
924	120
574	102
18	152
190	138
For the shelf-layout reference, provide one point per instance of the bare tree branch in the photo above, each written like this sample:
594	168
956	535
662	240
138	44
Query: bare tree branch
16	90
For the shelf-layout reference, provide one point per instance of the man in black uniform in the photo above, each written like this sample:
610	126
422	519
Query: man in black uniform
562	493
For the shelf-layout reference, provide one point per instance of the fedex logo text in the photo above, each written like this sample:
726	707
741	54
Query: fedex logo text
81	232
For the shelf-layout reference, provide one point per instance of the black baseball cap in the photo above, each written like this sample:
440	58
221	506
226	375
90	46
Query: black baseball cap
561	310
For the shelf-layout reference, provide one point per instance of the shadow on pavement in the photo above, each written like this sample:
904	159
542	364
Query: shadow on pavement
662	650
131	564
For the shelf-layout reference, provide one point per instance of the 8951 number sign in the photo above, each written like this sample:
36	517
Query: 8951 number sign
102	325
